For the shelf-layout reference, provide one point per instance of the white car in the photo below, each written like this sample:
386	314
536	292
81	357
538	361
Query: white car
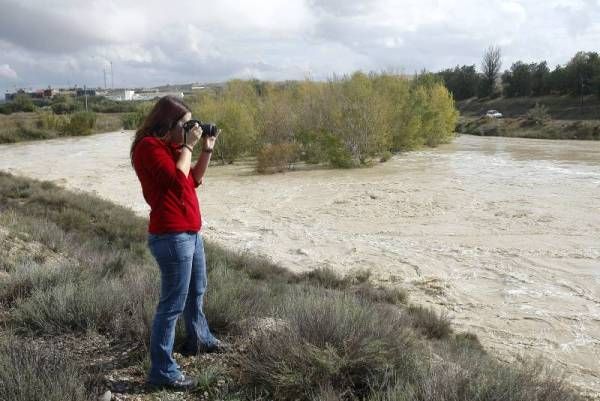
493	114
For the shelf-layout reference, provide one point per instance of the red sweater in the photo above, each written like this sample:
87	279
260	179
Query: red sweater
169	192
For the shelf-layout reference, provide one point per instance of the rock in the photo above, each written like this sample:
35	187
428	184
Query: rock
301	251
256	326
107	396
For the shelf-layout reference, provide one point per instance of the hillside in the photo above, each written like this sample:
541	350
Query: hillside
559	107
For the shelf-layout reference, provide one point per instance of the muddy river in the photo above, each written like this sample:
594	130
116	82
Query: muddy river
502	234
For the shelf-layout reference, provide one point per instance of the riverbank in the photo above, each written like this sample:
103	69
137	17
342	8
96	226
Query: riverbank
560	107
524	127
499	233
76	314
544	117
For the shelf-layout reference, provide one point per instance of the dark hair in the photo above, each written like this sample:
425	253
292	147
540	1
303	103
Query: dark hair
162	118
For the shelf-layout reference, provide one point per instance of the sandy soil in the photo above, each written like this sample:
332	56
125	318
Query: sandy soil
503	234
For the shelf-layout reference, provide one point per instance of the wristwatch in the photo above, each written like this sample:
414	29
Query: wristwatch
207	150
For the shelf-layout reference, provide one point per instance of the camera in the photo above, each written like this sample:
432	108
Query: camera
208	129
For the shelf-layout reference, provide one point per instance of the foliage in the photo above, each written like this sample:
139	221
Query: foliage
63	104
134	119
276	158
538	114
22	102
345	122
81	123
462	82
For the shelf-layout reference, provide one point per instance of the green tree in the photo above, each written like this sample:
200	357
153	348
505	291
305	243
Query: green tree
462	81
582	71
517	81
540	79
238	130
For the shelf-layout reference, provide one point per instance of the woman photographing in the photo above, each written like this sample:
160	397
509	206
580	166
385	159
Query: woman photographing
161	155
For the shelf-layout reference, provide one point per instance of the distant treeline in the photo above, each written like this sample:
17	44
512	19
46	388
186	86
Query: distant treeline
347	121
65	104
580	76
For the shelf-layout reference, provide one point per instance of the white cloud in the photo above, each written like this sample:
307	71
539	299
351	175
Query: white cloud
7	73
150	42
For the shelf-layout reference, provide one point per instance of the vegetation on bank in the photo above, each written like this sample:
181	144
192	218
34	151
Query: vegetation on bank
37	125
546	117
345	122
76	268
530	127
26	119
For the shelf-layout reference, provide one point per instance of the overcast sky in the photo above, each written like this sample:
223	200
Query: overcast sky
152	42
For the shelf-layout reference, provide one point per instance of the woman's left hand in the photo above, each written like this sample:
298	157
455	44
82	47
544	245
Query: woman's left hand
209	141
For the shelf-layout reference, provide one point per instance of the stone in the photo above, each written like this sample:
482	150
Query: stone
107	396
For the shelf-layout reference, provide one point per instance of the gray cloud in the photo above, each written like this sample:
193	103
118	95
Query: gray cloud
38	29
62	42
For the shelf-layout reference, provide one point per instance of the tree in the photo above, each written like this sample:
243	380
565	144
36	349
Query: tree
557	81
540	77
581	72
490	67
462	82
517	81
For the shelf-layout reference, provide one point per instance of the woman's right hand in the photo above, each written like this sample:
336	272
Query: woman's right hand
193	136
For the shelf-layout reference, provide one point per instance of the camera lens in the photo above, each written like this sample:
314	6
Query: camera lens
208	129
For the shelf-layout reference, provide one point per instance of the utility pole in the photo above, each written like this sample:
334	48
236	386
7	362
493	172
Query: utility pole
104	71
85	94
112	76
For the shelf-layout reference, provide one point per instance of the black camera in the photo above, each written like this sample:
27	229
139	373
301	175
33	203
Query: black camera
208	129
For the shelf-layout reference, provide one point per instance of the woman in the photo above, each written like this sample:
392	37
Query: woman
163	164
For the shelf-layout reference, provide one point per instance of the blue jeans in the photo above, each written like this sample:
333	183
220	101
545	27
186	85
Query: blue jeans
180	257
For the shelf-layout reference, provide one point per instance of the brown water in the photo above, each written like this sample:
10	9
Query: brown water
501	233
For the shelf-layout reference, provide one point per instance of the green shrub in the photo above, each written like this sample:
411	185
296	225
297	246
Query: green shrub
23	102
81	123
49	121
63	104
538	114
133	120
385	156
276	158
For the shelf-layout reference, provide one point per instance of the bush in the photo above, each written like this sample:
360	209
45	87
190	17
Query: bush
538	114
329	342
385	156
38	373
50	121
133	120
428	322
22	102
276	158
81	123
62	104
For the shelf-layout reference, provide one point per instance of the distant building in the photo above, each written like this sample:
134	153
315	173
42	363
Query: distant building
83	92
37	94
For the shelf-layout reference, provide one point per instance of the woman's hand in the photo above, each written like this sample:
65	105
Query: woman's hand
193	136
209	141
